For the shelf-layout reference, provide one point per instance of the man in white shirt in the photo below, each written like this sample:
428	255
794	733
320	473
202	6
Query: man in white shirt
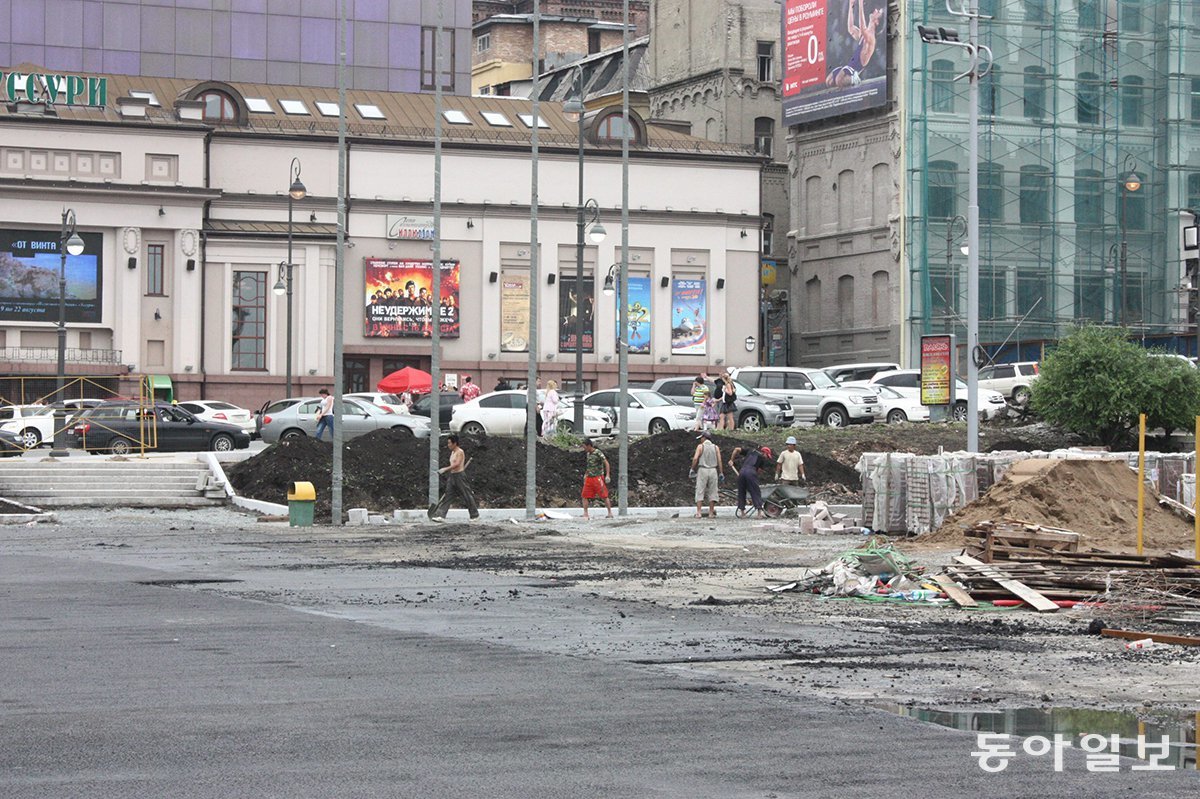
790	466
325	414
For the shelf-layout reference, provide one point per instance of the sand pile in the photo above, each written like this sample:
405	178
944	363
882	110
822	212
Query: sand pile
1095	498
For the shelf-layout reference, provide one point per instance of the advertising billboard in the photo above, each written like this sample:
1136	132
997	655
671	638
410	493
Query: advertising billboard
29	272
834	58
514	311
689	316
638	314
398	301
575	305
937	370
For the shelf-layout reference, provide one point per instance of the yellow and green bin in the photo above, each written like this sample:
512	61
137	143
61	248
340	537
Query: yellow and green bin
302	499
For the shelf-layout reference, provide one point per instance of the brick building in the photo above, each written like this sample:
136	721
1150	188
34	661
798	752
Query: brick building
502	63
605	10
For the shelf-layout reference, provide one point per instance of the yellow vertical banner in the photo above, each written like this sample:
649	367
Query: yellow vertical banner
1141	479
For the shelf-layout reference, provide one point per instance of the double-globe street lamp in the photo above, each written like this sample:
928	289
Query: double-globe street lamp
296	191
1130	184
69	243
586	213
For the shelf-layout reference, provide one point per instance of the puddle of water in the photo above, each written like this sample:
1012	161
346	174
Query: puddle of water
1178	727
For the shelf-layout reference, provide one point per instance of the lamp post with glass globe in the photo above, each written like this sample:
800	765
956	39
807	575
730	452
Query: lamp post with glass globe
296	191
1131	183
69	243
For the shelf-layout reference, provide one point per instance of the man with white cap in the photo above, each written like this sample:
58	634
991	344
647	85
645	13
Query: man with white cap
708	471
789	469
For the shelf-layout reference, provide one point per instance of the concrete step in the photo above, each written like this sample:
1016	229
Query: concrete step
108	467
88	474
82	481
124	502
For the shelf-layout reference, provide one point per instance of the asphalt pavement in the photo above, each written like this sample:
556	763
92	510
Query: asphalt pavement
122	681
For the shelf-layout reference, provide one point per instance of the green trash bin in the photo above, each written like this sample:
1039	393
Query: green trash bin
302	499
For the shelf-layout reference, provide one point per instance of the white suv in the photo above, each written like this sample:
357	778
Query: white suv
813	395
1010	379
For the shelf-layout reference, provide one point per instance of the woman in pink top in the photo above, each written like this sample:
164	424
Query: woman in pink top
549	408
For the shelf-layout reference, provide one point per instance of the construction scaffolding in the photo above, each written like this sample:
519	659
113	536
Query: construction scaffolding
1089	158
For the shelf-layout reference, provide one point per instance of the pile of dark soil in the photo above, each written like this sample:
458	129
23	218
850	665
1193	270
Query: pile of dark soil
383	471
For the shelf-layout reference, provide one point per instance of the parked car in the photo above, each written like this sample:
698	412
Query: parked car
216	411
754	410
273	407
813	395
504	413
358	417
446	399
122	427
853	372
650	413
33	423
1011	379
387	402
908	383
11	444
899	407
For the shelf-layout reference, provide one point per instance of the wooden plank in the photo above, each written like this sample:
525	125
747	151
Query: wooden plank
956	594
1158	638
1018	589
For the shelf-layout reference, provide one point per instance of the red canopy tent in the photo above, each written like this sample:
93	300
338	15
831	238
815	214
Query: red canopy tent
407	379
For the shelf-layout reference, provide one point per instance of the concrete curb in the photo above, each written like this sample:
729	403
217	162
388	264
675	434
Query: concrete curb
256	505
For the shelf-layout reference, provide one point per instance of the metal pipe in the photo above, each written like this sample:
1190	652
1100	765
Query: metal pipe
623	279
973	234
288	283
535	255
60	412
339	275
579	230
435	312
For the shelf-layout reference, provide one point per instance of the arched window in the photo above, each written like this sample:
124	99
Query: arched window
813	304
611	128
1089	18
847	199
845	302
880	300
1087	105
942	73
1089	198
943	189
1132	94
764	134
1035	194
881	193
218	106
813	204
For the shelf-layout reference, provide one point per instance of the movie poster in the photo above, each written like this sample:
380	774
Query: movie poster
399	298
639	315
573	305
834	58
29	272
514	311
689	316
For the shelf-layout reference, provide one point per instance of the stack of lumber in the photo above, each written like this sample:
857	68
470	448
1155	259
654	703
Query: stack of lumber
991	541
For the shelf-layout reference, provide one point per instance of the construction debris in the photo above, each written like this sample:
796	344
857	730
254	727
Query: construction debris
876	570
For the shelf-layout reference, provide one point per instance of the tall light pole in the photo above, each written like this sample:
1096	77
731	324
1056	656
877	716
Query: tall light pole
1130	183
296	191
956	228
976	70
69	243
585	211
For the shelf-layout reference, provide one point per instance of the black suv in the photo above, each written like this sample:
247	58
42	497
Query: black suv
123	427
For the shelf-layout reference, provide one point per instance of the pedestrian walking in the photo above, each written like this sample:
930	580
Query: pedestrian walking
469	390
456	484
700	391
728	403
325	414
596	474
710	412
708	471
747	483
789	469
549	408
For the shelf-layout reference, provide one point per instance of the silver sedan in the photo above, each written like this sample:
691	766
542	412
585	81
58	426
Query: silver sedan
358	417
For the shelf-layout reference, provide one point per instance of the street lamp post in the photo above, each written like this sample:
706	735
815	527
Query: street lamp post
296	191
1131	183
585	212
956	222
69	243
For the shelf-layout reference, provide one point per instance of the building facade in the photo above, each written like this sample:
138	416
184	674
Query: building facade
502	56
602	10
391	44
180	189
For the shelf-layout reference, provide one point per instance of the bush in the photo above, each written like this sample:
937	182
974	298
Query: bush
1096	382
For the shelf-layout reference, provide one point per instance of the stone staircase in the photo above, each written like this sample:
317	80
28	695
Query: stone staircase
105	481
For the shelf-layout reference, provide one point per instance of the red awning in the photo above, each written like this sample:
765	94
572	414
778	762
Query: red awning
407	379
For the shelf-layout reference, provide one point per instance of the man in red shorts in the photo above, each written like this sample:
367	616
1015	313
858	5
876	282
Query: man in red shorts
596	475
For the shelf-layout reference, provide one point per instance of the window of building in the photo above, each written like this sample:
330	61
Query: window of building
991	192
766	61
1033	294
356	373
989	92
218	107
1089	296
368	111
1193	191
989	8
814	304
258	105
943	189
1133	289
764	135
155	255
942	72
1087	103
1131	16
1132	97
249	320
768	233
1135	202
1035	194
294	107
845	302
528	120
483	42
430	51
612	128
993	303
1035	10
1196	98
943	292
1089	198
327	109
880	298
496	119
456	117
1089	17
593	41
1035	93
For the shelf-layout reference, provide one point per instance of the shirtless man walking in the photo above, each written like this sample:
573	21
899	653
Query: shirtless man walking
864	35
456	484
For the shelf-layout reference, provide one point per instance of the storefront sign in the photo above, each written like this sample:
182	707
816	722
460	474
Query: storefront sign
689	316
514	311
55	89
937	370
572	303
415	228
399	298
29	272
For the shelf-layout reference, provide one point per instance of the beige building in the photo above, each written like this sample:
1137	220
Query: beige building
180	189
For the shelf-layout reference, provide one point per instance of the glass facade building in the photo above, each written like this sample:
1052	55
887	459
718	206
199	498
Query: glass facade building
1089	167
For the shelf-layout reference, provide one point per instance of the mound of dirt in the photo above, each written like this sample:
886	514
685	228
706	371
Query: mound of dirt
383	471
1095	498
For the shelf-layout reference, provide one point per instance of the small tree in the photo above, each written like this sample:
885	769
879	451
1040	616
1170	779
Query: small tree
1170	395
1092	384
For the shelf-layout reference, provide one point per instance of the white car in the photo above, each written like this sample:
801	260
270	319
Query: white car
650	413
388	402
908	383
899	408
215	411
503	413
1012	379
33	423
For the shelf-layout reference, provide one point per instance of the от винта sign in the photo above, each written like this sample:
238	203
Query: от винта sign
55	89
